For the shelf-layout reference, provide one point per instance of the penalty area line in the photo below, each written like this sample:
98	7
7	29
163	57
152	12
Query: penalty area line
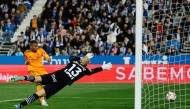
2	101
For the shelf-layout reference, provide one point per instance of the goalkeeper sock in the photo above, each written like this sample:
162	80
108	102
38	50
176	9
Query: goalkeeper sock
39	87
29	78
29	100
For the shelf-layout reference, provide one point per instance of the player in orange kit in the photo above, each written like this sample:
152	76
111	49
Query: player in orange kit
35	65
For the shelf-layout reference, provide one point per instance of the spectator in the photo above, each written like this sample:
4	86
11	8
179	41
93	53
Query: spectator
74	21
96	36
2	29
80	19
92	41
148	36
169	52
28	31
101	51
75	52
82	52
14	21
115	49
168	24
145	48
64	53
95	49
12	6
78	30
111	38
57	52
23	9
122	48
47	12
9	31
76	41
19	52
130	35
6	8
18	42
100	42
106	51
10	52
22	47
40	21
150	52
87	46
106	29
19	16
6	17
129	52
69	49
163	47
34	23
54	13
116	29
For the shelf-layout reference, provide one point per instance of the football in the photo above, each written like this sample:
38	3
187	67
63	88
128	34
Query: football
171	96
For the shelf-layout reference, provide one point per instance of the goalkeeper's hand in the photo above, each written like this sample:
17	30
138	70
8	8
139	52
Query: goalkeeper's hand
107	66
90	55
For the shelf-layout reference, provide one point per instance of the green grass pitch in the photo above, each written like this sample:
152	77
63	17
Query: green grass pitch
98	96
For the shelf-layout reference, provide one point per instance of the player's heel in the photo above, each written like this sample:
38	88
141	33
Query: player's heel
16	78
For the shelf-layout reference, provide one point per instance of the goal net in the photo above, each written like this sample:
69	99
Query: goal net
166	54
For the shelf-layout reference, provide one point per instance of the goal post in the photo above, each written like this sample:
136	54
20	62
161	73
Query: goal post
138	54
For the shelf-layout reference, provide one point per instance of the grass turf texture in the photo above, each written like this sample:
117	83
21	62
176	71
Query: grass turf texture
99	96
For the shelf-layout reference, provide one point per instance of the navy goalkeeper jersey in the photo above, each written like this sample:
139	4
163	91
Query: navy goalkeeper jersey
76	70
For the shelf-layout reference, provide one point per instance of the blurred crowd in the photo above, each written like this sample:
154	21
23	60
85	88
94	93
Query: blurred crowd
107	27
12	12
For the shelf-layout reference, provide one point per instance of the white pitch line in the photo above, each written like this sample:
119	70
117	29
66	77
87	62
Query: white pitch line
95	98
12	100
3	101
69	88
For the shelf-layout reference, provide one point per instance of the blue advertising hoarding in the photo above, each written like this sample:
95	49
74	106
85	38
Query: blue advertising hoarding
183	59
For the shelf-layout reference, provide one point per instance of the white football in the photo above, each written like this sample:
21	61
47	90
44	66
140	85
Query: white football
171	96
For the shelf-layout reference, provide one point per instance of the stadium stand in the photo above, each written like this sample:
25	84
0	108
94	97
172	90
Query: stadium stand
107	27
12	14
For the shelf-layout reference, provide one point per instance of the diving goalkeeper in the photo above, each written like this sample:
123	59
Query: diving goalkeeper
57	80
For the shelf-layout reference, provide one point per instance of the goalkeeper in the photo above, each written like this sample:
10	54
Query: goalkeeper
57	80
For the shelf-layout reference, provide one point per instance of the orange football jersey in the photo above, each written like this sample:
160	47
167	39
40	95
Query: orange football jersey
35	59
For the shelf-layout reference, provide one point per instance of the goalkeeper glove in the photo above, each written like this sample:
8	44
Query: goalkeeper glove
107	66
90	55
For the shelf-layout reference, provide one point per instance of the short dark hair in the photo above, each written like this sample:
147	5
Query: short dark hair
33	42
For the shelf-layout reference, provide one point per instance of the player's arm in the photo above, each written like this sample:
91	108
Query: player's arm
45	55
27	62
99	69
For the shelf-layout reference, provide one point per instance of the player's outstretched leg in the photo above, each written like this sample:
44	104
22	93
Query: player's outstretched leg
30	99
36	79
42	98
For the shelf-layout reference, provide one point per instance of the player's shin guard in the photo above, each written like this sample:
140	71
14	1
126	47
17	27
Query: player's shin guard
29	100
29	78
39	87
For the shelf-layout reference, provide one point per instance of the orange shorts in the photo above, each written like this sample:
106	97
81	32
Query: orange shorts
37	72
